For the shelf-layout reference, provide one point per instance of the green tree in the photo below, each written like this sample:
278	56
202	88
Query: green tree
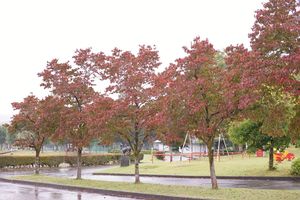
10	139
273	125
250	132
273	113
3	133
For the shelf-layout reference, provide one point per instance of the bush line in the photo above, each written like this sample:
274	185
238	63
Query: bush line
54	161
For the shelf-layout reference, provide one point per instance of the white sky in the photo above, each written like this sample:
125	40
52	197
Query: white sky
33	32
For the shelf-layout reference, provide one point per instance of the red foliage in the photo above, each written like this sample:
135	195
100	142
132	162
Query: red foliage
200	94
275	37
132	115
199	97
73	86
40	118
131	78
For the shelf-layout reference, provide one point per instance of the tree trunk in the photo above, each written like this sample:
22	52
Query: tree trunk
271	157
137	169
37	161
214	183
171	153
79	161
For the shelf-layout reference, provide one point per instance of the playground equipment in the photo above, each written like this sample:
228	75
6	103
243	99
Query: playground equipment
260	153
279	156
191	154
221	136
190	149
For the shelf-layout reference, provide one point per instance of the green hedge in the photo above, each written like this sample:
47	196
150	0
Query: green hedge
54	161
16	161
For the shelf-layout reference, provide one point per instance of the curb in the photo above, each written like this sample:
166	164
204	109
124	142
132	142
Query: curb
275	178
99	191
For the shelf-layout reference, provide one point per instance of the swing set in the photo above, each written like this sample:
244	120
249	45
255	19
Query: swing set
191	154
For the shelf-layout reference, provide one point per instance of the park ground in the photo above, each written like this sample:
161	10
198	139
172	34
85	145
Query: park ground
237	165
228	166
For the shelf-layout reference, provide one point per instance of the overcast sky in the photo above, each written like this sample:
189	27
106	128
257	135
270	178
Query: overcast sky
34	32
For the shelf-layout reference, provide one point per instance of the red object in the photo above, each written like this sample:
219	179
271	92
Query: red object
279	157
259	153
290	156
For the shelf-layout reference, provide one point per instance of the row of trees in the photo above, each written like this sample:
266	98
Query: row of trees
200	93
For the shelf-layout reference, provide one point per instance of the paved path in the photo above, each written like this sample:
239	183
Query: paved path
203	182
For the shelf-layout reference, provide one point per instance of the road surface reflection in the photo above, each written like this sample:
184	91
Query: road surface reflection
11	191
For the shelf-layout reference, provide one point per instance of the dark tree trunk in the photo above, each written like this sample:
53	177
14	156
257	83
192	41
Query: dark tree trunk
37	161
271	157
136	153
171	153
214	183
137	169
79	161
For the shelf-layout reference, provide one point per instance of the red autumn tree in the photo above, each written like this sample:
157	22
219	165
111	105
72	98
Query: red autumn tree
74	87
100	113
201	96
36	121
275	38
131	79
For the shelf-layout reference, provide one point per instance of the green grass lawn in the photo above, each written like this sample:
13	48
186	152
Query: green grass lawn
228	166
183	191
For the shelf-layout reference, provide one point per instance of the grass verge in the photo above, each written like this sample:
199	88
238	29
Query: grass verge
182	191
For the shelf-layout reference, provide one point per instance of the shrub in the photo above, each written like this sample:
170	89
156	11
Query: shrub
54	161
16	161
297	145
160	155
51	161
295	169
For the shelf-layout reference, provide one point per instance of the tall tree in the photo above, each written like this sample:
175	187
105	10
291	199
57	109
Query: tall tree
36	121
202	96
73	86
275	39
131	78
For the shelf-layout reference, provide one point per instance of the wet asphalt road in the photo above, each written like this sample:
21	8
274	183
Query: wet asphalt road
226	183
11	191
223	183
